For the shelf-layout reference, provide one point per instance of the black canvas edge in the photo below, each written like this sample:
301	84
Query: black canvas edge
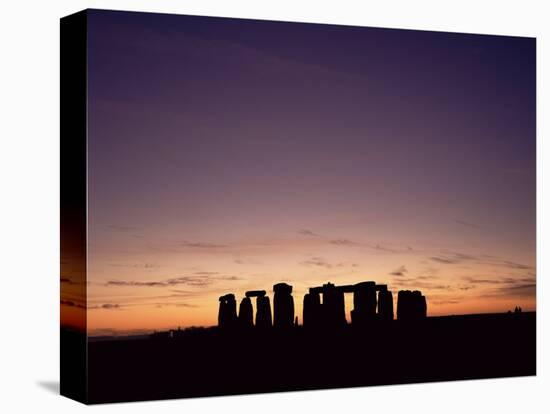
73	199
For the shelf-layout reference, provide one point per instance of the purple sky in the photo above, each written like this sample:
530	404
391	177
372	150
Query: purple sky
236	153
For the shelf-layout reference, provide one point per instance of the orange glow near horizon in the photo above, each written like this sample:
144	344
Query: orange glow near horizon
131	293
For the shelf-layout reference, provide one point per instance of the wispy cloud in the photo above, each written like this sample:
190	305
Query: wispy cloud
245	261
481	281
306	232
457	258
322	263
524	290
513	265
444	260
400	271
521	289
202	245
427	277
108	306
502	286
136	265
198	280
343	242
506	280
373	246
415	283
381	248
318	262
177	305
444	302
118	332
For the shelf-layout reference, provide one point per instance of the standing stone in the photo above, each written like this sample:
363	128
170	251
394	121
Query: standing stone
312	312
283	306
263	312
334	310
411	305
385	305
245	313
425	307
403	304
364	303
227	314
255	293
417	304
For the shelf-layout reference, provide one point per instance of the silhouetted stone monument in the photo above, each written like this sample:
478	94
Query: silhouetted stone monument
312	312
364	303
246	313
263	308
385	305
404	305
283	306
263	312
330	312
255	293
227	314
371	302
334	310
411	305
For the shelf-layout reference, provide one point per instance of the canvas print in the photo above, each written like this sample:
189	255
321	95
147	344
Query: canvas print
256	206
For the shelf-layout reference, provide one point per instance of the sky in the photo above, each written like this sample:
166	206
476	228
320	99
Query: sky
226	155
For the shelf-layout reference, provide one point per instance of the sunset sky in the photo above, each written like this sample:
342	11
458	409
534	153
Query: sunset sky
226	155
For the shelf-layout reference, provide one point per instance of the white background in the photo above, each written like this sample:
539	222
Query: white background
29	205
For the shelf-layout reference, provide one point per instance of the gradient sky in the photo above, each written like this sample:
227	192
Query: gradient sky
227	155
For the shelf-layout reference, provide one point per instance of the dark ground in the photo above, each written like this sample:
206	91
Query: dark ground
209	362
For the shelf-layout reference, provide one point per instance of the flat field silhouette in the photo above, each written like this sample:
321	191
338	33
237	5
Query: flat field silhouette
212	361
